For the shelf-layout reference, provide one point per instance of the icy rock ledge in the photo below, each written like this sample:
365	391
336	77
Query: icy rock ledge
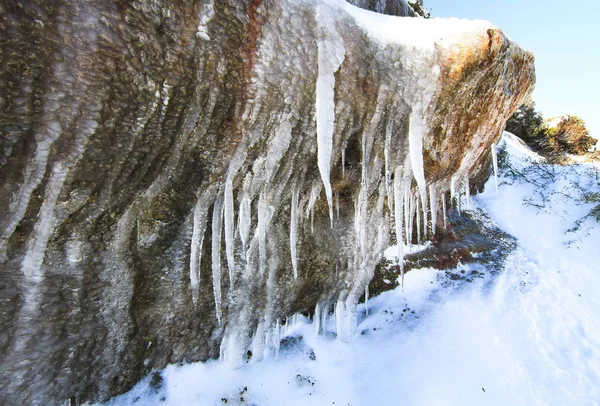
179	180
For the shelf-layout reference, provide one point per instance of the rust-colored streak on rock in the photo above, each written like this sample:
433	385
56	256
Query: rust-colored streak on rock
252	34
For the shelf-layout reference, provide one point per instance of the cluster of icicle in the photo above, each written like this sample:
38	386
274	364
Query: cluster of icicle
415	211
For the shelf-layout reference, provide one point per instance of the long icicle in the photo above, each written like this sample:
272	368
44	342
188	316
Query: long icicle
229	228
433	205
294	231
444	210
217	223
495	163
398	211
418	202
199	227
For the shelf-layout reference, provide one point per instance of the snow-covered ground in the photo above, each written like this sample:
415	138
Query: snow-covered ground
529	335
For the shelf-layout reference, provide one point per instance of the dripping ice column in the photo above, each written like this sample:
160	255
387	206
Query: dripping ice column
444	210
200	217
244	220
495	163
294	232
433	205
331	54
217	223
415	143
398	209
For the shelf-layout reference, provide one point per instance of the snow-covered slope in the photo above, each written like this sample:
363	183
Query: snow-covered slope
527	335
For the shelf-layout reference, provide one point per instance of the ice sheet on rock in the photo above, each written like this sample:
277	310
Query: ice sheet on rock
331	54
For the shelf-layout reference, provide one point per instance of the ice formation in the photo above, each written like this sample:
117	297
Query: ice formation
217	222
294	231
199	228
330	56
494	150
224	165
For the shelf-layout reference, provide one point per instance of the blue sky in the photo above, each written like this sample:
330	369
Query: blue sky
565	39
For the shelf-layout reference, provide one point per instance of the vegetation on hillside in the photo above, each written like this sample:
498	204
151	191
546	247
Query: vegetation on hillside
568	136
419	8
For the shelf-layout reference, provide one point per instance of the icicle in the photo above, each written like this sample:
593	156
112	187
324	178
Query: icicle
343	163
388	173
444	210
424	208
200	214
229	228
265	212
277	338
467	193
495	163
217	222
222	350
367	300
294	232
415	144
324	316
452	191
340	310
258	342
330	55
337	204
407	215
411	219
312	199
244	220
418	201
433	205
398	209
234	354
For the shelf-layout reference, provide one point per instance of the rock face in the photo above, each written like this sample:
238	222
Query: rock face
179	178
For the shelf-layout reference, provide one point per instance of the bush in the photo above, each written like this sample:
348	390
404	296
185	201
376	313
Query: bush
570	136
579	184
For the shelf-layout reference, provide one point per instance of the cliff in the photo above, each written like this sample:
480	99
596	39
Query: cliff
179	178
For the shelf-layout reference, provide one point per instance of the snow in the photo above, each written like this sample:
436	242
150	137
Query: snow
440	32
526	335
